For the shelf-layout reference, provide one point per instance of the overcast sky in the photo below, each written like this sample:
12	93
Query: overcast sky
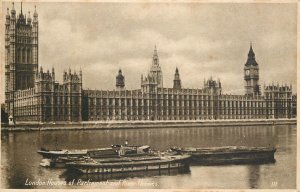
202	40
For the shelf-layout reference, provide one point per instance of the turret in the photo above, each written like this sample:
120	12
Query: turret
212	86
29	18
35	34
53	74
7	17
35	15
13	11
120	80
177	81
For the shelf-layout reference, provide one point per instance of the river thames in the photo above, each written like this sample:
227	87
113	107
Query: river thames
20	160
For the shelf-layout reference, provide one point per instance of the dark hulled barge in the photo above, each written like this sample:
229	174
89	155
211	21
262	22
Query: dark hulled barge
58	158
130	164
101	152
229	155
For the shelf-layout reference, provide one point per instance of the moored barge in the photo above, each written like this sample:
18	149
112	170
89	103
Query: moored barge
130	164
229	155
100	152
58	158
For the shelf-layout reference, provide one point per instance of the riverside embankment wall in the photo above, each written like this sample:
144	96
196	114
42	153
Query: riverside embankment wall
109	125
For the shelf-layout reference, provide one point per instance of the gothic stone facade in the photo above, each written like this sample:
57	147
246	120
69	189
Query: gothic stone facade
49	101
32	95
35	95
153	102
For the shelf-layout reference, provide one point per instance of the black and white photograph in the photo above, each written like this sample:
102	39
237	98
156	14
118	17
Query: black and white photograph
149	95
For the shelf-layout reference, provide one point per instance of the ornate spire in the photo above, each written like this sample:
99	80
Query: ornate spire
155	57
251	57
21	19
35	12
13	11
251	52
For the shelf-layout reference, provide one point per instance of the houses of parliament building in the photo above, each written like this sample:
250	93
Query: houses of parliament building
33	94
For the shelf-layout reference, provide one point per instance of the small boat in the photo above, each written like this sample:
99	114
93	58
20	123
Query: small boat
229	154
130	164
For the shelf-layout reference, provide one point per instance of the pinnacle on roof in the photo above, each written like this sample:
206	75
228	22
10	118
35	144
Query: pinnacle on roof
7	15
35	12
13	11
29	18
21	9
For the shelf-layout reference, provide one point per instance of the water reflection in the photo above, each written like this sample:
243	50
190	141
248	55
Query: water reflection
254	172
20	160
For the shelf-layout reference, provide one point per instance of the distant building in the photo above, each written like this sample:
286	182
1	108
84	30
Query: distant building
34	95
153	102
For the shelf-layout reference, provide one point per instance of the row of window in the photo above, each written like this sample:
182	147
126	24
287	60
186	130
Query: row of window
23	55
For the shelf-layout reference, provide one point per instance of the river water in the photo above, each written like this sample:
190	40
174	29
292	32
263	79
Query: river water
20	161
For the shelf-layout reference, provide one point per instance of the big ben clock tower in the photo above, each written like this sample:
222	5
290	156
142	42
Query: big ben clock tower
251	75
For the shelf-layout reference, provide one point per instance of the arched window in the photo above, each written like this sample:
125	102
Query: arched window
24	55
28	55
18	55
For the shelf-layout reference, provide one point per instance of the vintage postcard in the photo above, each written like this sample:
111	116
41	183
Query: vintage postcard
149	95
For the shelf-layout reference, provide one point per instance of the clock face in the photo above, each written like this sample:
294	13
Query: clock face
247	72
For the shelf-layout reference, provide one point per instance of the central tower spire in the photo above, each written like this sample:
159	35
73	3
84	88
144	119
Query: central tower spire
155	70
155	57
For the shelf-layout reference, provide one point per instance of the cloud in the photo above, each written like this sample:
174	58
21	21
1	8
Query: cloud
202	40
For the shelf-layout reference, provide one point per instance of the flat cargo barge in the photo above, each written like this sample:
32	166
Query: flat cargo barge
149	163
229	155
100	152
